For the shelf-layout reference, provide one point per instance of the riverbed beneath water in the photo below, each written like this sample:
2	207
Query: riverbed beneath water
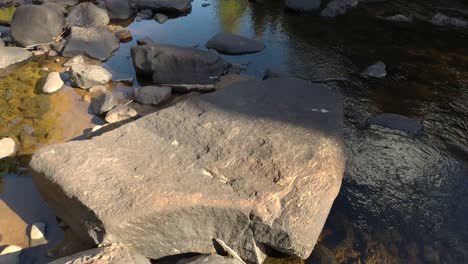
427	80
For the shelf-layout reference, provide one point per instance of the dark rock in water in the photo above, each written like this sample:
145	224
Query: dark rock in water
103	103
118	9
268	74
104	255
146	41
377	70
397	122
246	165
398	18
161	18
65	3
36	24
87	15
152	95
227	43
338	7
163	5
12	55
168	64
205	4
443	20
209	259
303	5
96	43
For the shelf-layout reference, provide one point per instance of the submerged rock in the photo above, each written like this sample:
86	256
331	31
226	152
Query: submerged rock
118	9
98	43
12	55
120	113
397	122
10	255
398	18
52	83
303	5
227	43
103	103
167	64
377	70
36	24
161	18
443	20
87	15
163	5
152	95
8	147
87	76
246	165
104	255
338	7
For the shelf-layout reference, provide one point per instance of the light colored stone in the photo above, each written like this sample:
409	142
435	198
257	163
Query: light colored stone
120	113
104	255
75	60
52	83
98	89
12	55
8	147
87	76
10	255
377	70
37	231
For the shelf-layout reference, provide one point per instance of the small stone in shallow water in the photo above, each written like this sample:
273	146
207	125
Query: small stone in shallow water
52	83
87	76
205	4
440	19
124	34
103	103
152	95
398	18
120	113
10	255
98	89
377	70
75	60
144	14
37	234
8	147
161	18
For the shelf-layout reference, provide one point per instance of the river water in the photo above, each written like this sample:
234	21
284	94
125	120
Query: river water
428	80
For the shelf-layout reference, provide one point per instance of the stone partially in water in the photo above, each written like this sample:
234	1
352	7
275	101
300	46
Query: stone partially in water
440	19
104	255
227	43
120	113
8	147
52	83
10	255
97	43
398	18
12	55
152	95
245	165
35	24
118	9
397	122
338	7
161	18
377	70
37	234
103	103
163	5
87	15
168	64
87	76
302	5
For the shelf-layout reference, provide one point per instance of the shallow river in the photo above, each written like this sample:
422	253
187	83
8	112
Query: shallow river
428	80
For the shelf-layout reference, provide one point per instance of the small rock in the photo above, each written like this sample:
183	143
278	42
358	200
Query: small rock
227	43
120	113
10	255
152	95
38	52
37	234
128	80
398	18
144	14
124	35
98	89
12	55
377	70
57	60
103	103
161	18
338	7
87	76
52	53
443	20
8	147
52	83
205	4
75	60
86	98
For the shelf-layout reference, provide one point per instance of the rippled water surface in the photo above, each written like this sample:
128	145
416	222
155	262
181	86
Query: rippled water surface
428	80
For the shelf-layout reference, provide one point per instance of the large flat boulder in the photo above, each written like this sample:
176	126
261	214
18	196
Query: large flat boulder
12	55
104	255
97	43
163	5
256	165
168	64
36	24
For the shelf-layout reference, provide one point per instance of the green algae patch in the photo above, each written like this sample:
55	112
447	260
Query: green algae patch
6	14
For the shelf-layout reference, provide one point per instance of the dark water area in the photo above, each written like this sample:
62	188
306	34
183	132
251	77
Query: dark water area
375	219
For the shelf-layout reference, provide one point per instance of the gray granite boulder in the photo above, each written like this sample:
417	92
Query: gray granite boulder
12	55
227	43
36	24
246	165
168	64
302	5
97	43
152	95
104	255
87	15
118	9
87	76
163	5
103	103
